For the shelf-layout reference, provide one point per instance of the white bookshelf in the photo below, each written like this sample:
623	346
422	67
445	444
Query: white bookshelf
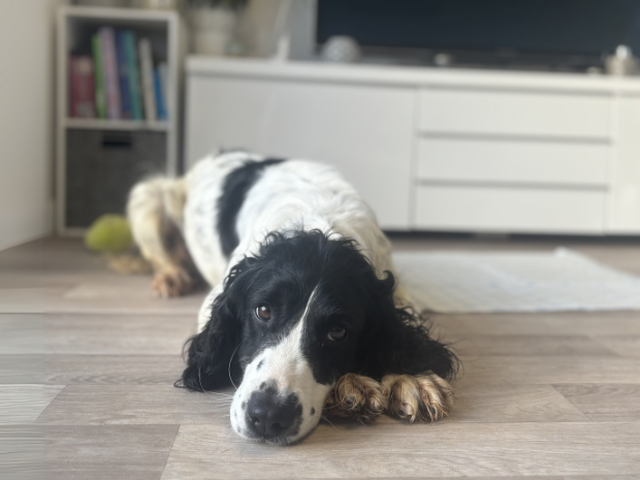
76	24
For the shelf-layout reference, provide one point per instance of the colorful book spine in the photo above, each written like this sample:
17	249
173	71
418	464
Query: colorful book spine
134	75
146	69
163	70
81	87
101	103
110	72
123	75
157	88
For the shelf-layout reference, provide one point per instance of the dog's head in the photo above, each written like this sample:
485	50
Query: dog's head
291	321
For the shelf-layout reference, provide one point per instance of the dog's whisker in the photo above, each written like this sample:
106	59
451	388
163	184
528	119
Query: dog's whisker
329	422
229	369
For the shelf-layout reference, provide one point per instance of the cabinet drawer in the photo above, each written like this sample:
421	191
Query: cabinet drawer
514	113
468	208
528	162
101	168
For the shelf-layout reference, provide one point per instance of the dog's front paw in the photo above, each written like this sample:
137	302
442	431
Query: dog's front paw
357	397
172	283
419	398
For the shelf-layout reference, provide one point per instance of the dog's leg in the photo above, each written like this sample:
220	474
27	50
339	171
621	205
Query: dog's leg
155	211
418	398
357	397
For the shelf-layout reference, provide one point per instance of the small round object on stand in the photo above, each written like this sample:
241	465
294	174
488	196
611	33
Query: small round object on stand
341	49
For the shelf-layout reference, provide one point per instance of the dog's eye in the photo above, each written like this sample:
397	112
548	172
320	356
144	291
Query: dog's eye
336	333
263	312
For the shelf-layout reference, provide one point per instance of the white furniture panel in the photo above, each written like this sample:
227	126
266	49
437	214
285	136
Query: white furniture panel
625	212
464	208
514	113
366	131
439	149
525	162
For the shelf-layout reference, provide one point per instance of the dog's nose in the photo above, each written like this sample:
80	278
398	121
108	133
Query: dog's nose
269	416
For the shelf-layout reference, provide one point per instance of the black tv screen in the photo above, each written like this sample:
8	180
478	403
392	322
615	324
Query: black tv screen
575	27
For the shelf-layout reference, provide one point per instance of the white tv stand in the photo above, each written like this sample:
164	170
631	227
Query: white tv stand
434	149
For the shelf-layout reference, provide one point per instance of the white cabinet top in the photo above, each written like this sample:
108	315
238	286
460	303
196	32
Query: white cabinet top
391	75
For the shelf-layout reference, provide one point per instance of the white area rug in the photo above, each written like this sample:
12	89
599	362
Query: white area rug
467	282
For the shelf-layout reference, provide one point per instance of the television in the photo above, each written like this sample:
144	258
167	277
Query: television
547	34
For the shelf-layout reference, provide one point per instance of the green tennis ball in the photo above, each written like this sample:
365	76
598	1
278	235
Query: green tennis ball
109	233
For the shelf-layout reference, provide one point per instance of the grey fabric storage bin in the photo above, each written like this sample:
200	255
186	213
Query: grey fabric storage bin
102	166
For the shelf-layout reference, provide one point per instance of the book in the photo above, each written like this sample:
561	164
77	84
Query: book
157	87
123	75
110	72
81	87
146	71
163	70
101	103
134	74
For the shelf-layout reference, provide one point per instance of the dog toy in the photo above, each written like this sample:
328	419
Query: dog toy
109	233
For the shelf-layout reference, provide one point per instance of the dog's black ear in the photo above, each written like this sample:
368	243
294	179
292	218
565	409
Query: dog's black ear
398	339
209	354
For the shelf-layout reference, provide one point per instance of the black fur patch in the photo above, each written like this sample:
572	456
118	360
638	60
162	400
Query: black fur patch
234	191
313	411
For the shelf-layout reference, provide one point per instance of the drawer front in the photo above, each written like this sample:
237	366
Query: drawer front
102	166
528	162
465	208
514	113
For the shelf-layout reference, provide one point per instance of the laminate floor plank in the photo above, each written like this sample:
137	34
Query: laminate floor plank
23	333
507	403
23	369
23	452
107	452
400	450
551	369
545	324
604	403
20	404
113	369
135	404
90	369
23	300
187	306
510	477
624	345
601	477
85	299
527	345
96	334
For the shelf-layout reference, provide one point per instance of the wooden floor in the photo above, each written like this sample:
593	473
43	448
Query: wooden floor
88	359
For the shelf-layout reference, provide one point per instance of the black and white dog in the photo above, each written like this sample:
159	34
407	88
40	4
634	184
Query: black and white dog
305	313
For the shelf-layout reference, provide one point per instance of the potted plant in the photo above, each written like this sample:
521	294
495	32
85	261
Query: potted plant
213	23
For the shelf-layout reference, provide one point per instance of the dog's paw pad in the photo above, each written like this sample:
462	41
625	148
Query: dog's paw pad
170	284
420	398
357	397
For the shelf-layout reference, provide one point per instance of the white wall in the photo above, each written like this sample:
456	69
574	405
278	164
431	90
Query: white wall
26	119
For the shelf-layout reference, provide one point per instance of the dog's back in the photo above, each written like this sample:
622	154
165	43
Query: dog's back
226	205
236	199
